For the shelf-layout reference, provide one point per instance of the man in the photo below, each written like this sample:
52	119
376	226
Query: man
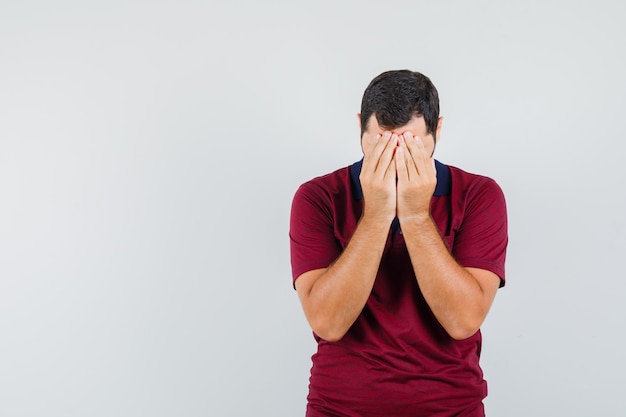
396	260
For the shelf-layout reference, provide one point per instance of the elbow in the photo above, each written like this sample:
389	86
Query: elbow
332	336
328	330
465	325
463	331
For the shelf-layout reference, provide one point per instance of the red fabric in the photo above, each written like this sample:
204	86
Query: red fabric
396	359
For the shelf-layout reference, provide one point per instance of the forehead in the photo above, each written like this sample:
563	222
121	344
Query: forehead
417	126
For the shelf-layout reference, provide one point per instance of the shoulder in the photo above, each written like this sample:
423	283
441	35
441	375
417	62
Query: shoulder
479	222
473	185
316	202
326	186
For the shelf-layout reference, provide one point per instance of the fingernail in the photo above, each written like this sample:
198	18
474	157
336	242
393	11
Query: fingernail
387	135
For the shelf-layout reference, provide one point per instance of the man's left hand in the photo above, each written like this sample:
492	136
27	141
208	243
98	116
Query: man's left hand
417	178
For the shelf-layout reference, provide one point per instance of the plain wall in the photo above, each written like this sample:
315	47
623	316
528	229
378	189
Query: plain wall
149	152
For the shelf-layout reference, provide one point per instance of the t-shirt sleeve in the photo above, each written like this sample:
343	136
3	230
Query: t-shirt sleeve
311	231
482	238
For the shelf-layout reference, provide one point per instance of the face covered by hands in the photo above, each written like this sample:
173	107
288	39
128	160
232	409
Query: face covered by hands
398	175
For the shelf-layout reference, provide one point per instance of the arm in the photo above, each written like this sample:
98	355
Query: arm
332	298
459	297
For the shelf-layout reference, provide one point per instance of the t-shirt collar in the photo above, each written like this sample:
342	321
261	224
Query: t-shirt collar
443	179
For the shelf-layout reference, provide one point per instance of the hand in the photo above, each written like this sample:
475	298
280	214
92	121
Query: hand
378	178
417	178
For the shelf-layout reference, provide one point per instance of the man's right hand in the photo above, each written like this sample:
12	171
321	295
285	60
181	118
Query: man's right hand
378	178
332	298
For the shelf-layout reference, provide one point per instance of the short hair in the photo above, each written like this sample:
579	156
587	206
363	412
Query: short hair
396	96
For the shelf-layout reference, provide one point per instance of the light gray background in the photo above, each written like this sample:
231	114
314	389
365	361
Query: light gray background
149	152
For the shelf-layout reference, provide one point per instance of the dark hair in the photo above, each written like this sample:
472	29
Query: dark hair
396	96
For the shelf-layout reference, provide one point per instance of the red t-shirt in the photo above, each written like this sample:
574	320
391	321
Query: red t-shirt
396	359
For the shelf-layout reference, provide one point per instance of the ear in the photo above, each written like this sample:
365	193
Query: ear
438	132
358	116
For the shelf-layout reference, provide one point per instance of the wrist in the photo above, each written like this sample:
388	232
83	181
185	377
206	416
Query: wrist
416	219
377	219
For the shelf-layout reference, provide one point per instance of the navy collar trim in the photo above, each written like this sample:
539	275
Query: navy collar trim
444	185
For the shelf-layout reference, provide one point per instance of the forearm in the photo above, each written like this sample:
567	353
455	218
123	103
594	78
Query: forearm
338	296
454	295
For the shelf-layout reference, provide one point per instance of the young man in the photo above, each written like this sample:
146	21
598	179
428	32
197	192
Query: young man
396	260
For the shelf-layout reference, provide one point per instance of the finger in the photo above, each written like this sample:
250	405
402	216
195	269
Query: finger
400	162
371	146
370	149
424	162
416	146
386	157
418	154
372	155
410	164
391	173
